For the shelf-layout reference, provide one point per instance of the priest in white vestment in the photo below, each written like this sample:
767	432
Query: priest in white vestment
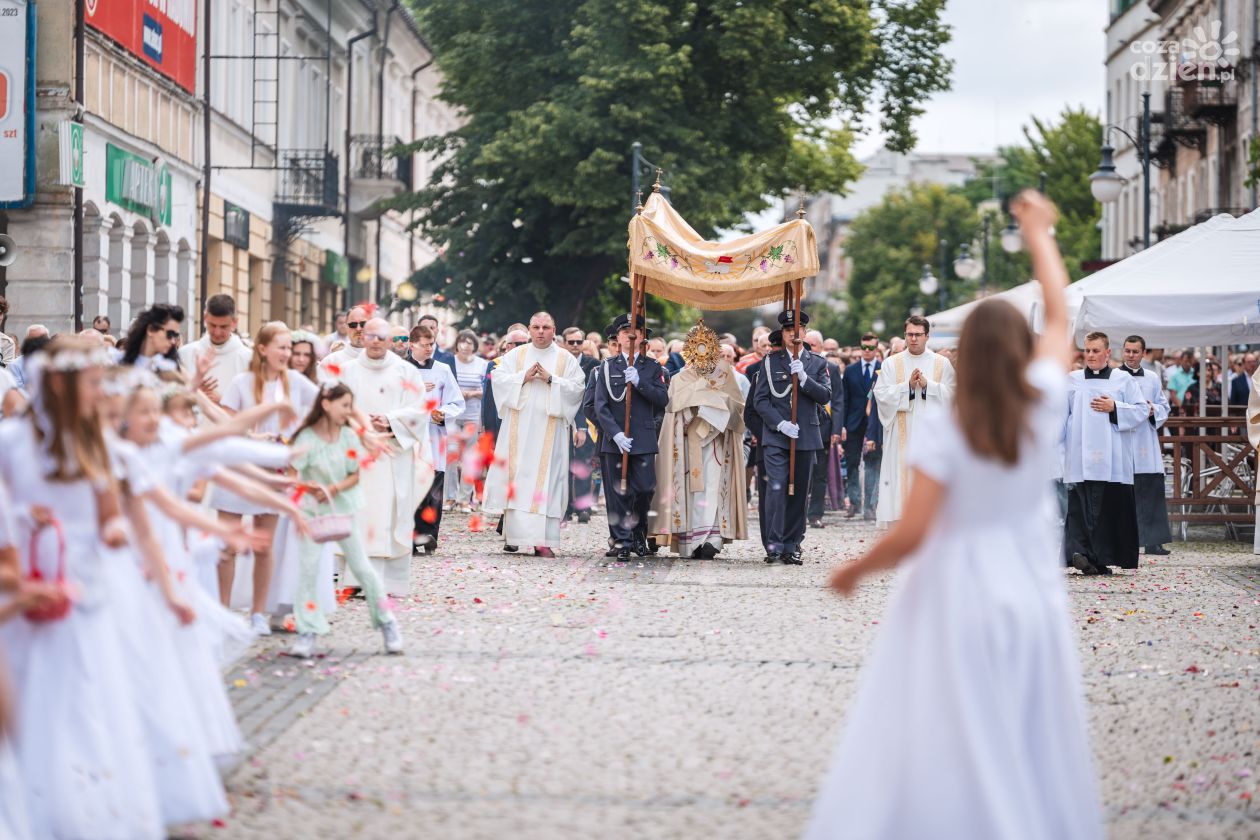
337	360
390	395
700	504
537	391
1148	454
909	383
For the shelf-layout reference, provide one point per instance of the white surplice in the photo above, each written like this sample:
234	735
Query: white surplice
338	361
395	482
529	480
898	409
1096	449
1148	456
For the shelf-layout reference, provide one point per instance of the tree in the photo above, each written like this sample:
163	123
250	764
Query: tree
1067	151
737	101
889	245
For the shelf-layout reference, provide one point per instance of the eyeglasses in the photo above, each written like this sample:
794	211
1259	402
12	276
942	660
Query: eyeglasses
575	342
377	336
173	335
870	346
398	339
356	325
916	335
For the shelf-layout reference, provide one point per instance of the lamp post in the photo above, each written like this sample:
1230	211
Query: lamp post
928	286
640	166
1106	183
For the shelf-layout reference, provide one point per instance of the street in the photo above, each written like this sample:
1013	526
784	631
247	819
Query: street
574	698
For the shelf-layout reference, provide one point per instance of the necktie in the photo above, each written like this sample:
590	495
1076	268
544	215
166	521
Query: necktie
866	374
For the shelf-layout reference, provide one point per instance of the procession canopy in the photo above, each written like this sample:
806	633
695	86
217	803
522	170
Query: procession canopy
674	263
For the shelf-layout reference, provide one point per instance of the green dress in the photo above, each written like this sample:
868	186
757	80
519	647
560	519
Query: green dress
327	464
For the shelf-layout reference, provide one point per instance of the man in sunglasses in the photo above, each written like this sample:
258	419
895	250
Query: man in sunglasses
859	380
390	397
230	355
356	320
581	448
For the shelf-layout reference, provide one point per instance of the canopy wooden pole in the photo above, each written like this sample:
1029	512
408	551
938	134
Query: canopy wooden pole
796	317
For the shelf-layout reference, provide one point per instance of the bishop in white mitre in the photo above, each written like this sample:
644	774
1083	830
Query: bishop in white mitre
537	390
390	395
910	383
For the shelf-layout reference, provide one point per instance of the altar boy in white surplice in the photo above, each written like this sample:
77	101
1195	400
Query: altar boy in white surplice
537	390
910	382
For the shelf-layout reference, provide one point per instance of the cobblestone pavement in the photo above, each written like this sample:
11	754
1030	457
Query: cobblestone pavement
568	698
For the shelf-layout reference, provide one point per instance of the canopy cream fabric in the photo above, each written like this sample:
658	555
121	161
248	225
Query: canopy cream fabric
680	266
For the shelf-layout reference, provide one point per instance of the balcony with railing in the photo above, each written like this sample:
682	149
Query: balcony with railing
1180	128
308	183
376	173
1211	95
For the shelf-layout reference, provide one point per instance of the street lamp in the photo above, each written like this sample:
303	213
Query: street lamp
928	283
640	166
1106	183
877	326
1012	241
966	266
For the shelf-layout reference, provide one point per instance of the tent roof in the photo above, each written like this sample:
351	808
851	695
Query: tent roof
738	274
1200	287
947	325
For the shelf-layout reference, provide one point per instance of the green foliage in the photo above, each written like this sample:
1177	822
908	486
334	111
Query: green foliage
732	98
1068	152
1253	164
889	245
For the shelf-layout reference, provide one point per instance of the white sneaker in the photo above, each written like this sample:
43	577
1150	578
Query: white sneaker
304	647
259	624
393	636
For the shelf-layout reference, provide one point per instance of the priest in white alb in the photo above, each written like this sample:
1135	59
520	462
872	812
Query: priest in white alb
389	397
1148	453
330	366
700	504
1104	404
537	391
910	382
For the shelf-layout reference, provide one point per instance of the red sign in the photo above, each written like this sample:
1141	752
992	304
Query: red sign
161	33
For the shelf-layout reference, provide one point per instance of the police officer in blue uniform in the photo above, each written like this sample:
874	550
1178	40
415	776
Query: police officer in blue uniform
784	514
639	378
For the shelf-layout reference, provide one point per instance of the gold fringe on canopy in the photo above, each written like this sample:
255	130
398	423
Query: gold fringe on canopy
674	263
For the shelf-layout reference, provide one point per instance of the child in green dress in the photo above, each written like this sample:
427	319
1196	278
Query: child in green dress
325	444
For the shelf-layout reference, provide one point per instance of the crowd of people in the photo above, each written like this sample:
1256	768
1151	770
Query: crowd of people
162	503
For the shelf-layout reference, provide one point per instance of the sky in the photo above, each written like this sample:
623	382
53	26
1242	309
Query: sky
1012	59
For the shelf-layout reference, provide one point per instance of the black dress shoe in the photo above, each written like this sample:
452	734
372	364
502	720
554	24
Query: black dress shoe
511	549
707	551
584	516
612	552
1157	550
817	523
623	555
852	513
640	547
1081	563
773	558
793	559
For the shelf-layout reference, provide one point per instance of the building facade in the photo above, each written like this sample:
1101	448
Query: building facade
1198	62
886	170
308	98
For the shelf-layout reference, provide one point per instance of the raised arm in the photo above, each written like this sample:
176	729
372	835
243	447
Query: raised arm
1036	214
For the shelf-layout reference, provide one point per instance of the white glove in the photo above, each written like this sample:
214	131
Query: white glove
623	443
790	429
798	367
632	375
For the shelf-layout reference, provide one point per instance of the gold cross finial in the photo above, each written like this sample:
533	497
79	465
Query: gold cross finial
800	211
657	186
638	198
